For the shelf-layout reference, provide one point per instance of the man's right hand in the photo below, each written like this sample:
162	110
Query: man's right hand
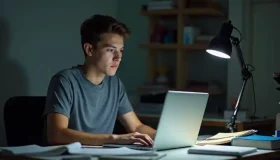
59	133
131	138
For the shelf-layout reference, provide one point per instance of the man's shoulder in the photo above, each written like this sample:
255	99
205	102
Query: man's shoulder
67	73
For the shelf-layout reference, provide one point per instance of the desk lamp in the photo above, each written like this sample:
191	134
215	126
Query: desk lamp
221	47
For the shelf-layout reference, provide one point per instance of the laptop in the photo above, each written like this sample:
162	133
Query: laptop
179	123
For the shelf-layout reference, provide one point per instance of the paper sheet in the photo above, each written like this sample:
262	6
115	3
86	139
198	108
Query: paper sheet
159	156
214	141
221	150
122	151
228	135
38	150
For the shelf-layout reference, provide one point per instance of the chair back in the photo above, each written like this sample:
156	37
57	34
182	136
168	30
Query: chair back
23	120
24	124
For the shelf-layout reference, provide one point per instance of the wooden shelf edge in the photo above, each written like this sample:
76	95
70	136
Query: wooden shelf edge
159	12
203	12
186	11
142	90
174	46
159	46
195	47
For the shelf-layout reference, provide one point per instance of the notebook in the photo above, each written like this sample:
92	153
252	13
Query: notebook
258	141
221	150
73	148
224	138
34	150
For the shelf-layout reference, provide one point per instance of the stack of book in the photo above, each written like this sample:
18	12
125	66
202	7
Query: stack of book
258	141
247	138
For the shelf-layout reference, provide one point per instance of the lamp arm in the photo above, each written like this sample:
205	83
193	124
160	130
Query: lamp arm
235	42
231	126
246	74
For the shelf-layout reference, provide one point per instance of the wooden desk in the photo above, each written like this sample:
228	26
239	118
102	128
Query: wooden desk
170	154
183	154
264	126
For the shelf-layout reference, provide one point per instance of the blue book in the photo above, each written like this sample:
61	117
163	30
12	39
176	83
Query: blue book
258	141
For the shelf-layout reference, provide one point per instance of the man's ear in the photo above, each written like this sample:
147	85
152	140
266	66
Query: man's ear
88	49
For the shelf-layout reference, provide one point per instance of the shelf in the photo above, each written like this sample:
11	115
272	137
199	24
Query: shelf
174	46
186	11
164	12
195	47
182	16
159	46
203	12
160	90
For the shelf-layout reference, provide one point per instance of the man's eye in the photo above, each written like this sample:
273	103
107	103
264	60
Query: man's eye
110	50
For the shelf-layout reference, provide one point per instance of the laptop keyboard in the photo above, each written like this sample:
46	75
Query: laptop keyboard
140	147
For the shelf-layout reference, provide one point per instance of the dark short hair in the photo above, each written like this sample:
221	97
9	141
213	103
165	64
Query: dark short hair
92	28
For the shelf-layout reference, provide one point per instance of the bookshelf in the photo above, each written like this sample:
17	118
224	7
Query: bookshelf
174	46
184	11
181	14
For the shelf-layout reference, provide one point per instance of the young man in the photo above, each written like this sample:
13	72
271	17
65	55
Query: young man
83	102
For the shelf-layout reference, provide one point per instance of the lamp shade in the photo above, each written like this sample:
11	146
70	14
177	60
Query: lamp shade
220	46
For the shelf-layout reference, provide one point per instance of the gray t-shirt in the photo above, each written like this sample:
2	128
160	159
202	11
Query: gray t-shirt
90	108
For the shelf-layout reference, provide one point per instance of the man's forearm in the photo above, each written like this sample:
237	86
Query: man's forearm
66	136
146	130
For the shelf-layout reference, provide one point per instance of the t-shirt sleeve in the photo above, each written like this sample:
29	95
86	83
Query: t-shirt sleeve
59	96
124	104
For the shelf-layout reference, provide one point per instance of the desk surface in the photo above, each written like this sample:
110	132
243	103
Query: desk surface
177	154
181	154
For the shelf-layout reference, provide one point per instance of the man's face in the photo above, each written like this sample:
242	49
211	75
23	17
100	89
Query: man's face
106	57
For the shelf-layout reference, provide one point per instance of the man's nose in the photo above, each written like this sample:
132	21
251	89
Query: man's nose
118	56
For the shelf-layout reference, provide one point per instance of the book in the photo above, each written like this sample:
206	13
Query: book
36	150
221	150
73	148
258	141
224	138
